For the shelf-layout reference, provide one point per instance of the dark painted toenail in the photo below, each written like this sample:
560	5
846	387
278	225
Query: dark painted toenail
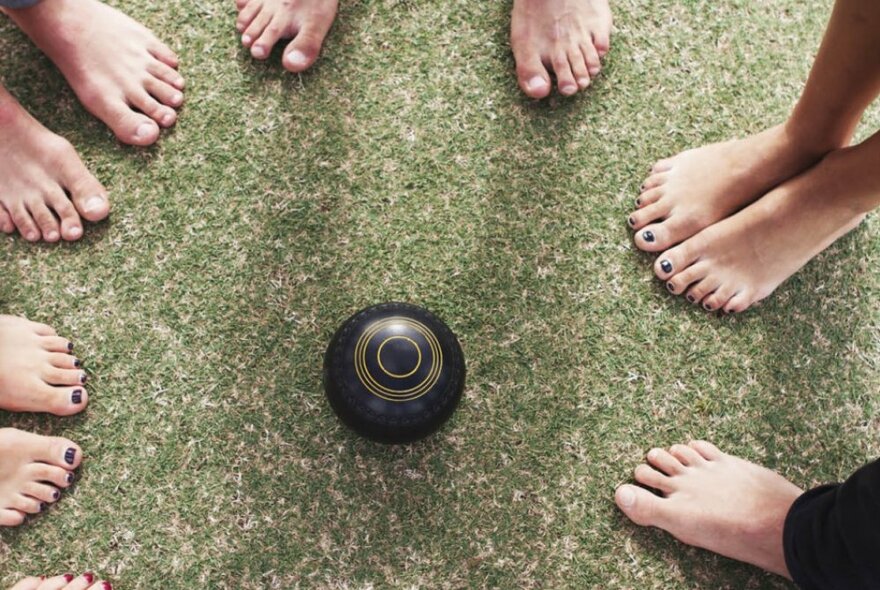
69	456
691	298
666	265
83	378
648	236
89	577
638	202
42	508
671	287
641	188
77	396
77	363
70	347
56	494
70	477
107	586
632	220
707	306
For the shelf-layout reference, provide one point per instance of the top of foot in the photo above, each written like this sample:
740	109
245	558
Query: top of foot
119	70
262	23
565	37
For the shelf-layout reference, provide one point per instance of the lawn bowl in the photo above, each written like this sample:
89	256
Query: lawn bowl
394	373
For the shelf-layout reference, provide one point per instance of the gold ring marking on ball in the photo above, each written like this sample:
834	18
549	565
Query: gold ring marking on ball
399	375
401	395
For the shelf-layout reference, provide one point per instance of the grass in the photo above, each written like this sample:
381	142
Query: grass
407	166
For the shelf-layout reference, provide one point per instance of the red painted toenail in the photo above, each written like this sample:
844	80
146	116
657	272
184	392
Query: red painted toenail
89	577
107	586
68	578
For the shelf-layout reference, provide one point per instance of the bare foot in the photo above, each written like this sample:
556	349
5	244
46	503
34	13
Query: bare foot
44	186
567	36
33	471
742	259
263	22
119	70
37	371
85	581
691	191
713	501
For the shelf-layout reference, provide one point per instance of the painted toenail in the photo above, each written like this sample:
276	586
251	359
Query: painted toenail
642	188
42	507
96	203
638	202
666	265
671	287
69	456
536	83
89	577
70	477
707	306
77	396
70	347
143	131
77	363
648	236
297	58
632	221
691	298
83	378
68	578
56	494
626	497
107	586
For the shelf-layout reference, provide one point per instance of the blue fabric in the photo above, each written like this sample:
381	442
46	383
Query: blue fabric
18	3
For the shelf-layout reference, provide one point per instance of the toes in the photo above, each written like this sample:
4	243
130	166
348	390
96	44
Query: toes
57	476
649	197
673	261
167	74
26	505
57	451
71	225
6	225
89	197
247	14
45	220
720	297
61	360
738	303
646	215
706	449
164	54
161	114
165	93
129	126
564	77
579	68
42	492
41	329
686	455
275	30
654	181
24	223
640	506
302	52
239	4
652	478
701	289
602	36
10	517
82	582
532	76
665	462
54	376
680	283
661	166
57	344
56	582
591	57
30	583
255	28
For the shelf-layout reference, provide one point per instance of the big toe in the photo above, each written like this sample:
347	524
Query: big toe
639	505
303	51
532	76
60	452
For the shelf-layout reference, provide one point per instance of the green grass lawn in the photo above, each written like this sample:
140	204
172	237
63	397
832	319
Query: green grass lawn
407	166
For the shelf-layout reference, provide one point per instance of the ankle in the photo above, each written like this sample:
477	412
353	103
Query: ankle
813	140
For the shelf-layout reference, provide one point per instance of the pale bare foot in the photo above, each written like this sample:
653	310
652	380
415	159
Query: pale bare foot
44	187
119	70
33	471
85	581
742	259
263	22
698	187
567	36
38	373
713	501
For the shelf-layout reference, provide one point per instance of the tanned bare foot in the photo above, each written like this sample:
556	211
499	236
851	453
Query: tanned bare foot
742	259
263	22
44	187
691	191
713	501
567	36
119	70
33	471
86	581
38	373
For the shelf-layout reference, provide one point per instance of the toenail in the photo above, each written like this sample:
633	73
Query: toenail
70	456
691	298
56	494
666	265
168	119
52	236
96	202
77	396
177	98
632	220
83	378
648	236
671	287
70	347
246	39
583	82
297	58
70	477
75	232
642	188
31	237
144	130
89	577
258	51
68	578
638	202
107	586
77	363
536	83
42	507
626	497
568	90
707	306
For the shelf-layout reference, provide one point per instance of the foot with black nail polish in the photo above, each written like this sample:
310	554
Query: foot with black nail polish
86	581
38	373
689	192
34	470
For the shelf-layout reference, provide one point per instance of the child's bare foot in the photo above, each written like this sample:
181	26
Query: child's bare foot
698	187
714	501
567	36
85	581
263	22
37	371
33	471
119	70
44	186
742	259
